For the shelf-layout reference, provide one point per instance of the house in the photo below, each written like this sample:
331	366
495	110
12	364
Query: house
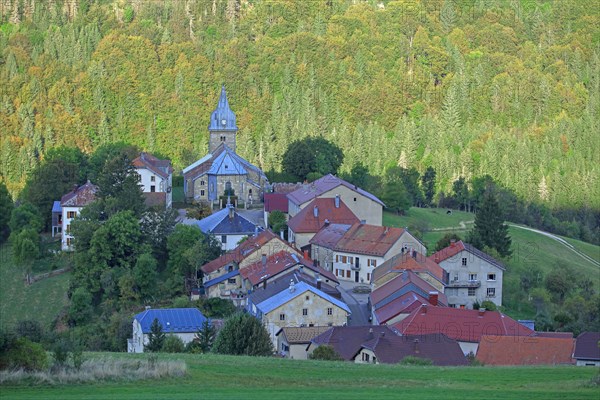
353	252
222	172
525	350
272	267
156	179
319	212
364	205
380	344
181	322
300	304
248	252
56	218
465	326
473	276
413	261
228	226
71	205
587	350
226	286
398	297
292	341
274	202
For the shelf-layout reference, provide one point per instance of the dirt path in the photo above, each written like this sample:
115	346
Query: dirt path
462	225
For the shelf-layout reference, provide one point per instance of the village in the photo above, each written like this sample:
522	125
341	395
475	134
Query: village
335	275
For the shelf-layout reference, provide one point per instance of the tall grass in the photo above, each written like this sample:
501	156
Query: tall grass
99	369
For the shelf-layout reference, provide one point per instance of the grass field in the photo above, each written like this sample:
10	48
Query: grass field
41	301
227	377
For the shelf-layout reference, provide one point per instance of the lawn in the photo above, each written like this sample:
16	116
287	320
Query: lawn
41	301
226	377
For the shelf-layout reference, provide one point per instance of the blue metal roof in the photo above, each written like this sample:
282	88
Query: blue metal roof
227	163
172	319
221	278
219	223
222	119
299	288
56	207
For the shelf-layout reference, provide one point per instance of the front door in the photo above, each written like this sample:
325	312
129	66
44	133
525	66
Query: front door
355	276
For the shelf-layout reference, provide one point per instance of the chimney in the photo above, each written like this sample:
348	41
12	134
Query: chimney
416	346
255	230
370	336
75	188
337	201
481	312
292	287
423	308
148	307
452	242
433	298
316	211
306	257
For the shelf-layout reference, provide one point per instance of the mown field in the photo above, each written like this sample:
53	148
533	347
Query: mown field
228	377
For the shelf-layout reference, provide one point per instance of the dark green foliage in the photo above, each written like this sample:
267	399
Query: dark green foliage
156	226
446	240
242	334
156	337
395	195
60	352
25	247
30	329
23	353
489	305
327	353
428	185
312	155
204	338
6	207
277	221
172	344
145	276
490	229
412	360
460	191
80	310
560	282
216	307
26	216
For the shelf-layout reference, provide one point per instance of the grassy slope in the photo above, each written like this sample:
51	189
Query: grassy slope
42	301
214	377
529	248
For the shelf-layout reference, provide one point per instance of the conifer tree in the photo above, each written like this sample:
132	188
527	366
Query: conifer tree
490	229
156	338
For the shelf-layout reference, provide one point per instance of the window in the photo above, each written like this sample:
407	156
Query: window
68	241
307	298
347	274
202	193
153	188
366	357
282	317
491	277
330	311
344	259
455	277
223	239
311	325
464	261
371	262
374	360
355	199
202	183
231	280
472	277
452	305
71	214
491	292
222	138
472	291
305	311
152	178
68	230
368	277
350	260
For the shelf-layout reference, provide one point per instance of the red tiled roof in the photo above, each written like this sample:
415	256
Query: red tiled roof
276	201
405	261
586	346
278	263
306	222
329	235
241	252
322	185
460	324
524	350
404	279
455	248
369	239
80	196
156	165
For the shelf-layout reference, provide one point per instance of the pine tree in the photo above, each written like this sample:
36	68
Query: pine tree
490	229
156	338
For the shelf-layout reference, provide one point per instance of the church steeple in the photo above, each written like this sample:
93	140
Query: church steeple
222	126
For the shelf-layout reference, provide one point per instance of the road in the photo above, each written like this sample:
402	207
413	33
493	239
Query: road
357	303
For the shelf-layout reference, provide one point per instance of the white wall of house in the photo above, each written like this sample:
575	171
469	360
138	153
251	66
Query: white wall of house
68	213
139	339
468	347
229	242
152	182
466	269
590	363
366	356
294	351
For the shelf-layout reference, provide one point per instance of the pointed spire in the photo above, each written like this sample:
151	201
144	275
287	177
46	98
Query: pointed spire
223	118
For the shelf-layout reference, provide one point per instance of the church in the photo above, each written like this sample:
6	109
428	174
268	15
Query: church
222	173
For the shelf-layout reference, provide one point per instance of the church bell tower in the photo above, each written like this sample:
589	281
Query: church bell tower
222	126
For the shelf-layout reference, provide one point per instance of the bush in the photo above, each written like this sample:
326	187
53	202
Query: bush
412	360
325	352
24	354
242	334
181	302
216	307
489	305
30	329
173	344
60	352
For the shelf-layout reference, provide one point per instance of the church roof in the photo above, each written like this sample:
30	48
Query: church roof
224	161
222	119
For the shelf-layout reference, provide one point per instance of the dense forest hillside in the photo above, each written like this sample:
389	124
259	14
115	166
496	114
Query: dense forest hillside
509	88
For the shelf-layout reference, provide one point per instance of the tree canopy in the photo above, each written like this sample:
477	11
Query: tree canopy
242	334
314	155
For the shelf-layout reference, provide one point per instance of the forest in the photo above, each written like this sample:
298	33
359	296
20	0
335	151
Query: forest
506	88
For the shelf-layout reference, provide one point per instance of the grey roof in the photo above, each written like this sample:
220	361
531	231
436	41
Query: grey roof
586	346
283	283
285	296
56	208
324	184
222	114
219	223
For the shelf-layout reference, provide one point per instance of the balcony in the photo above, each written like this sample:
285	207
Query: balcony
464	284
355	267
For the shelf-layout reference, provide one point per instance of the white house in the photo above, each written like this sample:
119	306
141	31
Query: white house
71	204
473	276
181	322
156	179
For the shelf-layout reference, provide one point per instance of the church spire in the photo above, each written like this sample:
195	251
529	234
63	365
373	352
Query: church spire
222	118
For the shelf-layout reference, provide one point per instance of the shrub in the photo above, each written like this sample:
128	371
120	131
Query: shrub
60	352
216	307
30	329
412	360
26	355
181	302
325	352
173	344
242	334
489	305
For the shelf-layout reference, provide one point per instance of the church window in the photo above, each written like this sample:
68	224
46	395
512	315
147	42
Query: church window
223	138
202	183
